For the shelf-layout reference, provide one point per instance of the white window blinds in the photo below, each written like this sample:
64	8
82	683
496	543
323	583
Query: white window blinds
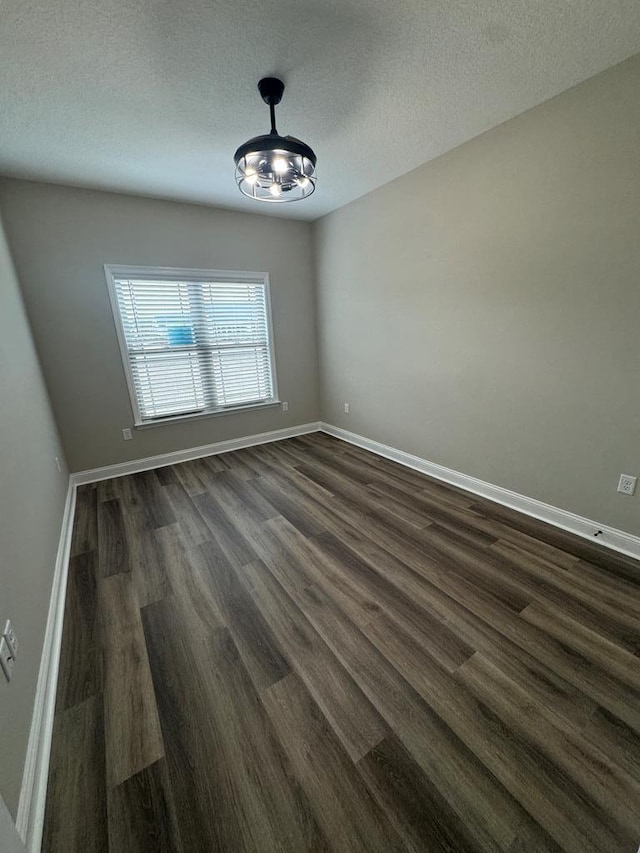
194	346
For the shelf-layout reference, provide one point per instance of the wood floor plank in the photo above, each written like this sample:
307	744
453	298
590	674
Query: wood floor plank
569	664
192	523
217	735
612	794
417	516
622	583
494	816
335	652
191	590
310	496
376	469
189	475
311	489
84	535
563	809
223	530
146	564
431	632
132	727
128	494
260	651
80	673
590	644
321	439
235	464
113	555
254	461
409	478
616	739
286	505
217	462
154	580
142	813
589	585
532	578
467	525
453	512
77	780
439	548
392	516
355	721
167	476
538	580
107	489
203	787
344	808
153	499
414	805
390	492
529	544
469	628
318	569
311	499
448	577
239	500
278	453
605	558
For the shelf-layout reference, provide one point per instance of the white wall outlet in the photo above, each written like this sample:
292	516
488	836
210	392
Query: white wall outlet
7	660
627	484
126	434
285	407
347	408
11	639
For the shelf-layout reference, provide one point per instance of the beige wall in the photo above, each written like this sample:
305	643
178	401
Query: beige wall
483	311
60	239
32	496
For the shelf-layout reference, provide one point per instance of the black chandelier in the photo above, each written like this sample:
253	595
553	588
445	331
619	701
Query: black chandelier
275	168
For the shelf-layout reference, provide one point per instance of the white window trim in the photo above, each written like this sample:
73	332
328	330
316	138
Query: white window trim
114	271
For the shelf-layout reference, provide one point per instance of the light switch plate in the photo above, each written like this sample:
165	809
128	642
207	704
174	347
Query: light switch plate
11	639
6	659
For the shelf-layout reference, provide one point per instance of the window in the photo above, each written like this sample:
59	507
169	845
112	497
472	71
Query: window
193	342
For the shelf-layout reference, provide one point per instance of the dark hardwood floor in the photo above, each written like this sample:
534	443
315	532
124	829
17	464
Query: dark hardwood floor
304	647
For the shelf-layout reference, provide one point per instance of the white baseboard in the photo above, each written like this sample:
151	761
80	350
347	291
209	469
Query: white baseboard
610	537
123	468
33	793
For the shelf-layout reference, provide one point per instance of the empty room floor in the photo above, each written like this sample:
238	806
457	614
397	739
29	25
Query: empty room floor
302	646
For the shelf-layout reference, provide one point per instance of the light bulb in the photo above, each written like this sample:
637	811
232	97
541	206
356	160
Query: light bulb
280	165
303	183
275	189
251	177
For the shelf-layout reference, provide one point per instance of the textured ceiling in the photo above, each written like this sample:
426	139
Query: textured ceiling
153	96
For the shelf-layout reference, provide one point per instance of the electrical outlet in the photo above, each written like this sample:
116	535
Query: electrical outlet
627	484
347	408
6	659
11	639
58	465
126	434
285	407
